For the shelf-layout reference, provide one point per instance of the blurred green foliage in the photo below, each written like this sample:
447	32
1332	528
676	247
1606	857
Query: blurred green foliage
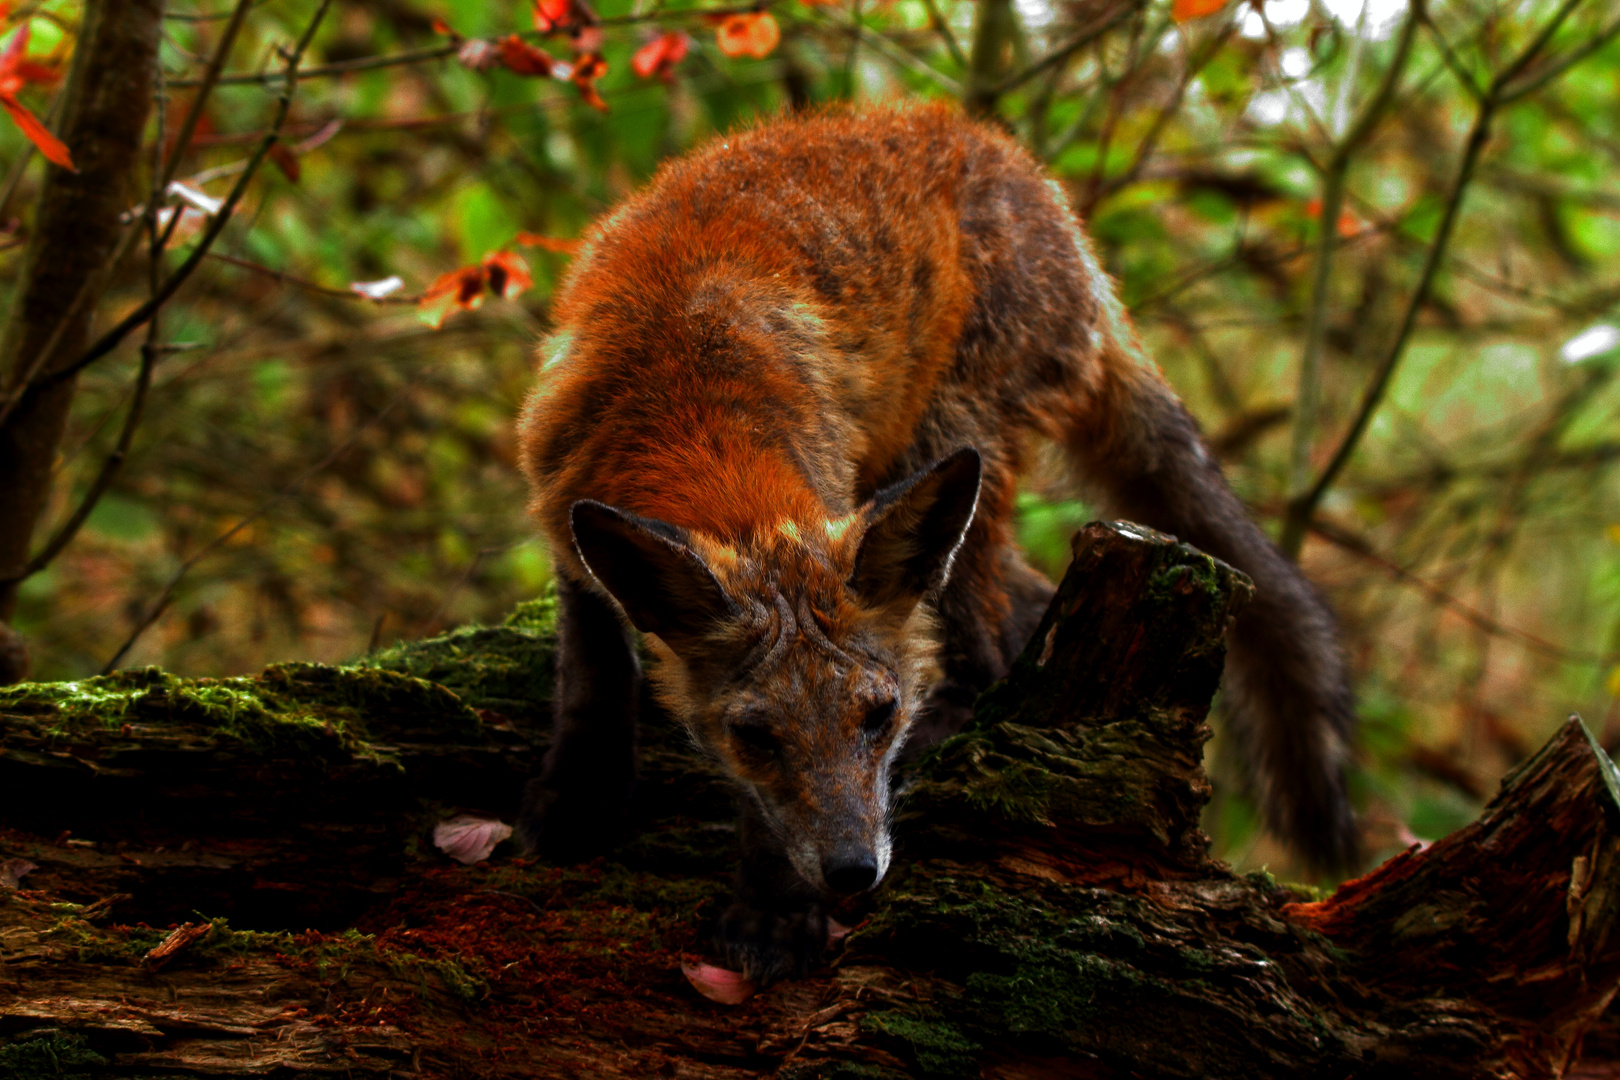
1471	546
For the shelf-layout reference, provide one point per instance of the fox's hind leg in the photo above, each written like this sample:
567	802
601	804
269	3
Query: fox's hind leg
579	800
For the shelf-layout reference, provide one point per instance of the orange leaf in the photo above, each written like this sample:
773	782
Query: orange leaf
752	33
551	14
463	288
587	69
442	27
49	145
1182	10
525	59
660	55
286	161
507	274
555	244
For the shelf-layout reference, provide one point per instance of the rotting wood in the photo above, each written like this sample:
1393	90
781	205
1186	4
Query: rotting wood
1053	910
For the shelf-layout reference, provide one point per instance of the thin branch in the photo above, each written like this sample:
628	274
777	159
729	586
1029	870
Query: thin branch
1302	508
1347	541
1558	67
216	64
897	54
943	29
311	286
341	67
111	339
166	597
1337	174
1062	52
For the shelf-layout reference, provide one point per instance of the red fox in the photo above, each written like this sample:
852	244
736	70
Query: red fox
779	430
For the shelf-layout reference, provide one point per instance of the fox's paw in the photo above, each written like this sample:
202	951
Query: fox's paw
767	945
569	824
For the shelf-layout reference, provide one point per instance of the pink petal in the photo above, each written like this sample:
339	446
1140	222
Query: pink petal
468	839
718	984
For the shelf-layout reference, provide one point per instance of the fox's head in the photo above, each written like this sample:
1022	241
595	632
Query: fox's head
798	658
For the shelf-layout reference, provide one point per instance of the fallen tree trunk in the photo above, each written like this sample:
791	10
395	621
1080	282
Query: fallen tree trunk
1053	911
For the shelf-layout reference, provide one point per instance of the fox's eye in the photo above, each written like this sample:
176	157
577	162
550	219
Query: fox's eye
756	739
877	721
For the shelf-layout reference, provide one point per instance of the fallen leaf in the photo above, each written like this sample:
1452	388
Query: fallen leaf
12	871
719	984
469	839
837	931
376	290
749	33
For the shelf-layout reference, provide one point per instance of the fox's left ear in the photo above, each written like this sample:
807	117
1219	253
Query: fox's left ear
914	530
662	584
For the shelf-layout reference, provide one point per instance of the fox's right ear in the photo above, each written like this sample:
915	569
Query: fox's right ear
663	585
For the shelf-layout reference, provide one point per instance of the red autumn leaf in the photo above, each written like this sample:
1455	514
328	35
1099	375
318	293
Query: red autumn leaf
442	27
507	274
1348	223
752	33
286	161
555	244
463	288
587	69
1182	10
15	73
525	59
659	56
551	14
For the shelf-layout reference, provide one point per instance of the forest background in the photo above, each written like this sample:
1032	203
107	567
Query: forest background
349	218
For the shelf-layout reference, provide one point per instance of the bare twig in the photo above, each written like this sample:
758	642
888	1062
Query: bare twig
1337	173
310	286
943	29
216	225
166	597
216	64
1062	52
1302	508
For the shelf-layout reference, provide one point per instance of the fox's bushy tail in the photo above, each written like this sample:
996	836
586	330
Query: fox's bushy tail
1286	687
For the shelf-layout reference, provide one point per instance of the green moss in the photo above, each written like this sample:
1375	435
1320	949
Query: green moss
838	1070
938	1046
54	1055
506	669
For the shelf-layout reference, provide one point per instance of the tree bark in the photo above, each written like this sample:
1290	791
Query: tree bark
75	229
1053	910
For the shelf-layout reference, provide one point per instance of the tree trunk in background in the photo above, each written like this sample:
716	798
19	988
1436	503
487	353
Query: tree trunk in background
75	229
1052	912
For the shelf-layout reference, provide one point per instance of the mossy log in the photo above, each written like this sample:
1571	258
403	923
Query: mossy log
234	878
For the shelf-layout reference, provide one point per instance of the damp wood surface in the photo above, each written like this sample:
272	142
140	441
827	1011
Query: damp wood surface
236	878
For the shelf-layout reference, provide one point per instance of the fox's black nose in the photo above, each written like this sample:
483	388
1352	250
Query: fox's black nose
850	874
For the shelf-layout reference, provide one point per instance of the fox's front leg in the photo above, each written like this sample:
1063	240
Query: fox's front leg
577	803
776	925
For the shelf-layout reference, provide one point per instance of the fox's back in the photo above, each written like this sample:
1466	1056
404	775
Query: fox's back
784	311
